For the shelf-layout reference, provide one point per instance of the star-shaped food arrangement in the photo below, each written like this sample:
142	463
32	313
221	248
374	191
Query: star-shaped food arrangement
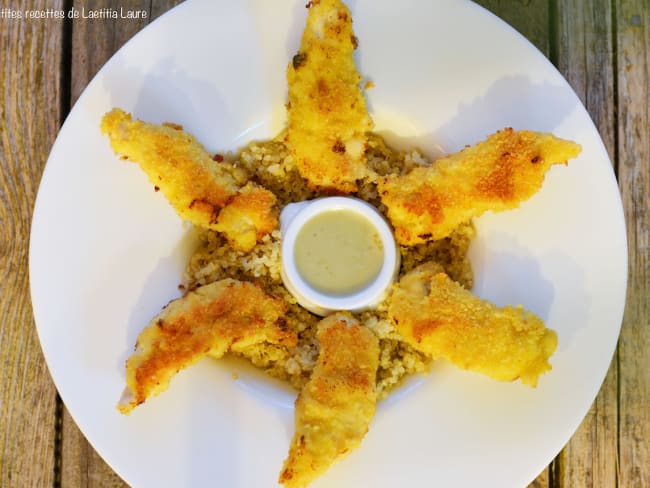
236	301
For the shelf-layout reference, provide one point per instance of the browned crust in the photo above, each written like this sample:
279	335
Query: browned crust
249	216
214	319
197	185
496	174
440	318
327	113
335	407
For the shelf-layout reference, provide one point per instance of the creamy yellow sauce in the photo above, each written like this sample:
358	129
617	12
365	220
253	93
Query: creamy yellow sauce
338	252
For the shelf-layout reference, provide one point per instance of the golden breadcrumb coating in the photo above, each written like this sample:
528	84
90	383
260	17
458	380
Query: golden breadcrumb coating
440	318
334	409
176	163
248	217
327	112
214	319
496	174
197	186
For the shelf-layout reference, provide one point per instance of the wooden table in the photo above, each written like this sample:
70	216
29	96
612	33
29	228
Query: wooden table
601	46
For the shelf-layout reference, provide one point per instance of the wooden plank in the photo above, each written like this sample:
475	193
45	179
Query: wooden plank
529	17
29	120
585	57
590	458
93	43
632	19
543	480
585	48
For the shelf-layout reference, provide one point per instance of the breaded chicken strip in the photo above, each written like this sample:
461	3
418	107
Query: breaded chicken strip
196	186
176	163
248	217
327	112
443	320
334	409
214	319
496	174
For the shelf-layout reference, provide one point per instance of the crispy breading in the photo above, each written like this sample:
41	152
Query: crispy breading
327	112
214	319
197	186
496	174
440	318
176	163
248	217
334	409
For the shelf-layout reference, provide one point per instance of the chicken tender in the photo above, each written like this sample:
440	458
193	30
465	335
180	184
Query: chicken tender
496	174
327	113
334	409
441	319
176	163
197	187
214	319
248	217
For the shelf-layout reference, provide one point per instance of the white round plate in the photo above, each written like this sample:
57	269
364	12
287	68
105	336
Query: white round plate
107	252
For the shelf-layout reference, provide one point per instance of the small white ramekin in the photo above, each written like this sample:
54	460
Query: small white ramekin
295	215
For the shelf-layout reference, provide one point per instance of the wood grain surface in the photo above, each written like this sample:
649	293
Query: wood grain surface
602	47
585	56
30	118
632	28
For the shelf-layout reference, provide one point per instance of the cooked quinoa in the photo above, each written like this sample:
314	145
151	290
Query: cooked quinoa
270	164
